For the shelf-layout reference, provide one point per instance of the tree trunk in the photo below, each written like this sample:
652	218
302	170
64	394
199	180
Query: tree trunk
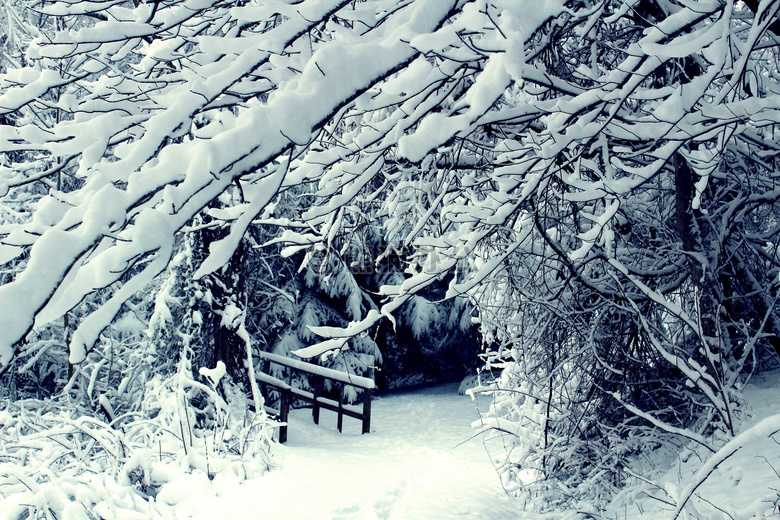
703	266
228	303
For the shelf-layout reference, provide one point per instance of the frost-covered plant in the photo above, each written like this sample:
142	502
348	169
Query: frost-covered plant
132	422
212	431
57	458
556	452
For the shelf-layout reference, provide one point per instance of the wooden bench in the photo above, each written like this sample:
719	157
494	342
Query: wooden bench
319	374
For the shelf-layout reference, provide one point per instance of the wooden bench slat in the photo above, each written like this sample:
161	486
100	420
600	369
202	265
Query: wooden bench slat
329	373
271	380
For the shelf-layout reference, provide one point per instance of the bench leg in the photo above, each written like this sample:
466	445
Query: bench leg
284	413
367	411
315	410
340	422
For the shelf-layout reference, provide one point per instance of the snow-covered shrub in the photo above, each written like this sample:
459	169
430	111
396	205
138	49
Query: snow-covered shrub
134	425
556	452
58	459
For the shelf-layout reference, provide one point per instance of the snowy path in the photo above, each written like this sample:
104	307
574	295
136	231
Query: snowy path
407	468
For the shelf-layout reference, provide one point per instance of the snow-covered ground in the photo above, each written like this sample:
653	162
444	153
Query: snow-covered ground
418	463
413	465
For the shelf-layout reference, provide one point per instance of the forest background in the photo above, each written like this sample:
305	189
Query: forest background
578	197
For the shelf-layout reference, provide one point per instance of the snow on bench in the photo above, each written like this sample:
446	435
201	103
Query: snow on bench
329	373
